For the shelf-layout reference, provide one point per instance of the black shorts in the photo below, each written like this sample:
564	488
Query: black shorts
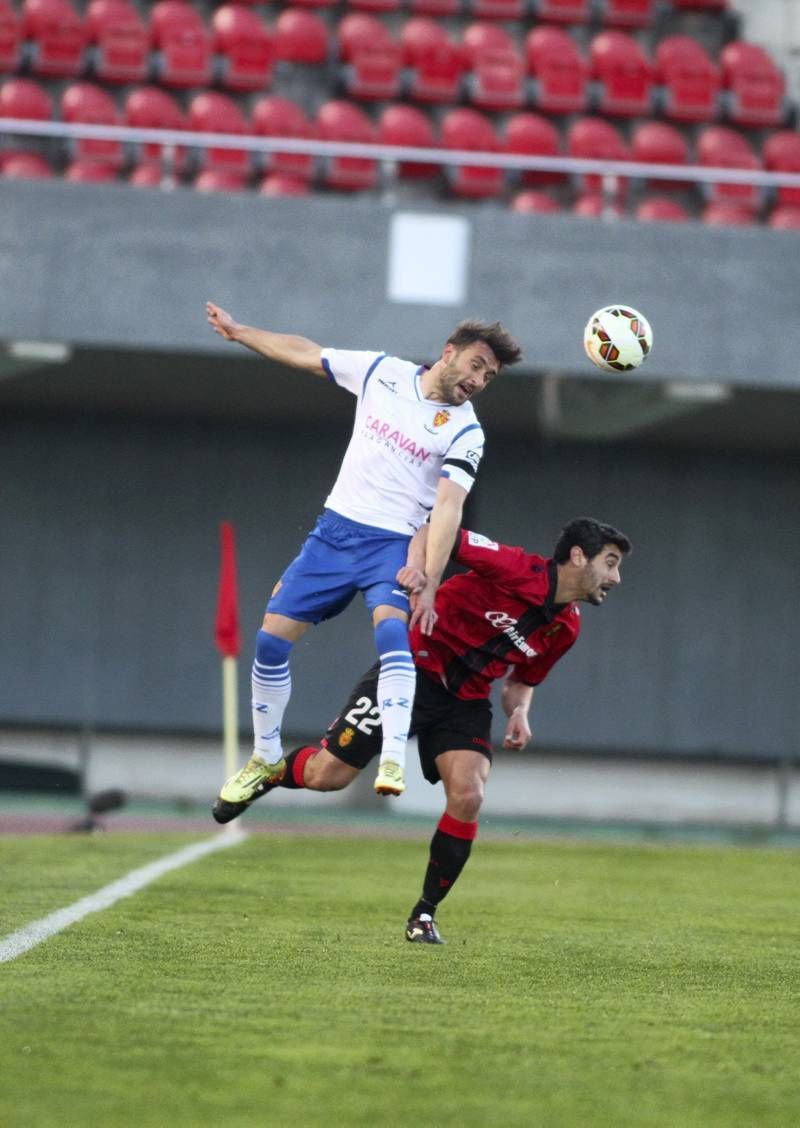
440	721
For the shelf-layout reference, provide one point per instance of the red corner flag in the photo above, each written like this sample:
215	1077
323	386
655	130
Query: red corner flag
226	630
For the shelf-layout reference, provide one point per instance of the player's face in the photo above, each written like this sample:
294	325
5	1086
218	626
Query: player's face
466	372
601	574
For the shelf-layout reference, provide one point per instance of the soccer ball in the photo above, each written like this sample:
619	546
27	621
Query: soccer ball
617	338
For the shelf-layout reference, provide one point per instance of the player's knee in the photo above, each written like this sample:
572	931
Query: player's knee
464	798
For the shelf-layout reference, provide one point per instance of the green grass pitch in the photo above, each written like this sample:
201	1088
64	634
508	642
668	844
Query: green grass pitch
269	984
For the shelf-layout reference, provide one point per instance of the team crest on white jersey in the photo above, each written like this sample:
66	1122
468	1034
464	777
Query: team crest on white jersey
440	418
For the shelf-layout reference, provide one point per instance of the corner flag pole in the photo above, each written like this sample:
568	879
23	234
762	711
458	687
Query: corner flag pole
228	639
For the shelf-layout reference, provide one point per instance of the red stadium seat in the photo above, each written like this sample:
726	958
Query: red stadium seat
594	205
24	166
436	64
407	125
183	42
338	120
301	37
559	71
313	3
244	41
24	98
532	201
280	184
149	176
91	171
148	107
57	36
726	214
220	180
119	41
375	5
275	116
661	209
469	129
781	153
657	142
371	57
690	81
497	78
361	31
212	112
718	146
594	138
564	11
434	8
629	13
785	218
10	38
497	9
700	5
623	74
755	86
530	135
86	104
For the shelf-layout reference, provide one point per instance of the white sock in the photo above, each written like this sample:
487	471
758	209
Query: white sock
272	688
396	685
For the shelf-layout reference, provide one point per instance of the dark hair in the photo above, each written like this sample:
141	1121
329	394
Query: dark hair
589	535
499	340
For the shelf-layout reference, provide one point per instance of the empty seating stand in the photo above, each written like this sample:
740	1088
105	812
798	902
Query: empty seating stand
527	77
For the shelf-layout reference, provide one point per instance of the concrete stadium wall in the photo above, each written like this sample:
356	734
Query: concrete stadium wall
108	576
95	265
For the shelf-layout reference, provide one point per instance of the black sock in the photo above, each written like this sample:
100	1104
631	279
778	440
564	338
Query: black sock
295	762
449	854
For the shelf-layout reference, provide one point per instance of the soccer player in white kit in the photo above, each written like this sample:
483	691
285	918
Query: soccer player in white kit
413	455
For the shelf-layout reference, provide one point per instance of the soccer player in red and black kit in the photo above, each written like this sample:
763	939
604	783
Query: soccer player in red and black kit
511	616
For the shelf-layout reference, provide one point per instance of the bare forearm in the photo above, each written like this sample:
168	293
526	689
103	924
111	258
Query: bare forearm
284	348
444	525
516	695
417	549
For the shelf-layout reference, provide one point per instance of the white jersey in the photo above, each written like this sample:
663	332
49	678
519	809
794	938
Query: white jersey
401	445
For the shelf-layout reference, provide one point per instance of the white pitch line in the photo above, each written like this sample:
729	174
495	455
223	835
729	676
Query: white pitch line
17	943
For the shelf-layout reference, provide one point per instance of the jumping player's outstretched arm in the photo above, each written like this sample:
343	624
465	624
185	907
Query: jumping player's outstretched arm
285	348
517	699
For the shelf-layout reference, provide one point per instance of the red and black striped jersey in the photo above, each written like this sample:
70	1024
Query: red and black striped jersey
498	615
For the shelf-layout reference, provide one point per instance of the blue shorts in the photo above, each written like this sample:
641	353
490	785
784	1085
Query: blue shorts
339	558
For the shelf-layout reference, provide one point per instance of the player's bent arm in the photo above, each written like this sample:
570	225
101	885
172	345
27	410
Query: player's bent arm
444	525
412	575
517	699
283	348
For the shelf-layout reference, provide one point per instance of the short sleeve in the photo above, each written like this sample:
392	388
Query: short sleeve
464	456
349	369
499	562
